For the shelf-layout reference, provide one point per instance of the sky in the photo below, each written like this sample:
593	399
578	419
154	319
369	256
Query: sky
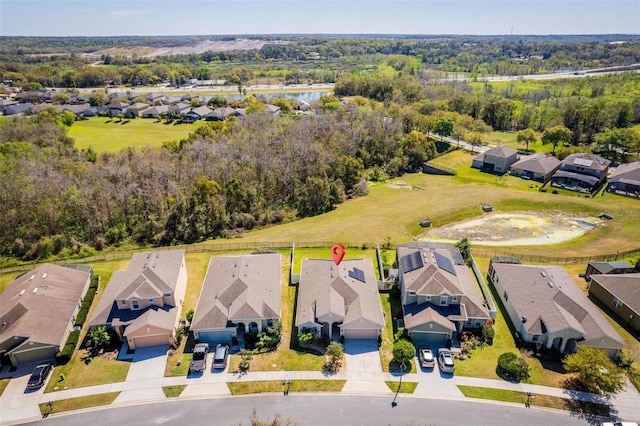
218	17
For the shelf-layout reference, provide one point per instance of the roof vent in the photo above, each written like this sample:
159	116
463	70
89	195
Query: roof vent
543	273
550	284
44	275
35	290
157	255
32	277
148	255
22	292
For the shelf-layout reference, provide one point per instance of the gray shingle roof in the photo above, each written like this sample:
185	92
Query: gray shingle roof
626	287
538	163
630	172
239	288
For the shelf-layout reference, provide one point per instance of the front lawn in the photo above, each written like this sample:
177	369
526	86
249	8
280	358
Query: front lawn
405	387
390	306
78	403
173	391
3	385
243	388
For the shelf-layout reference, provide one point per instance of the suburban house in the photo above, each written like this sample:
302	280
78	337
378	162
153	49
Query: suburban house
18	109
136	109
339	300
581	172
37	312
180	108
547	308
272	109
621	294
155	111
496	160
93	111
625	180
240	294
196	114
620	267
439	295
142	304
221	114
154	97
116	107
539	167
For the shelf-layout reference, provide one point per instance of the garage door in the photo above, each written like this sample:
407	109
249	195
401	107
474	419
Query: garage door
144	341
213	337
40	354
432	340
361	334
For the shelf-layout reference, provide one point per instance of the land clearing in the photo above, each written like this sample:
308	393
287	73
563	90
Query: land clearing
516	229
188	48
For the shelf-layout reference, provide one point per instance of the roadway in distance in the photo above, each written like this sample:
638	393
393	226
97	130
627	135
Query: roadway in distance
321	409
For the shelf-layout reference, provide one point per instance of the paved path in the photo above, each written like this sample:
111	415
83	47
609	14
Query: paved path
15	408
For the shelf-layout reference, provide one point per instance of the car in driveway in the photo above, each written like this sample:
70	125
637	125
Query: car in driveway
426	358
39	376
445	361
199	358
220	356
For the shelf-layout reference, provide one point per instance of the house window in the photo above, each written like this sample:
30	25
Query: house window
616	302
443	300
534	338
167	295
478	323
134	304
505	296
454	298
150	300
123	302
412	293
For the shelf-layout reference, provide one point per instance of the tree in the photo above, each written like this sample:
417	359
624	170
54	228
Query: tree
443	126
556	135
334	353
620	142
465	248
595	371
527	136
99	337
475	139
418	149
513	367
403	351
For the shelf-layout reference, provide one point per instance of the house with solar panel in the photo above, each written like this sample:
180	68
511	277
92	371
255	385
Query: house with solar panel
439	295
339	300
582	172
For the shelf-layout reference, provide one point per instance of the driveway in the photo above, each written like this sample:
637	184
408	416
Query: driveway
362	356
433	382
148	363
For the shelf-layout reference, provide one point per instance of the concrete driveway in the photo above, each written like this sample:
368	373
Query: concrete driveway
148	363
362	356
433	382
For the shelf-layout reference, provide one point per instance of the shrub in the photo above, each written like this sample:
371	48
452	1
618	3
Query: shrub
513	367
488	333
65	354
189	315
306	336
401	334
84	309
555	191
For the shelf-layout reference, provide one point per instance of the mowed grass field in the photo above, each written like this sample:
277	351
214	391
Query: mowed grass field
104	134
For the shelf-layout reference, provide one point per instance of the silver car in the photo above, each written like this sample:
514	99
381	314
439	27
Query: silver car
445	360
199	359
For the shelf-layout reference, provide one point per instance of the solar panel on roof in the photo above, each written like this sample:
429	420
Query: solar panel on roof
357	274
445	263
583	162
456	256
411	262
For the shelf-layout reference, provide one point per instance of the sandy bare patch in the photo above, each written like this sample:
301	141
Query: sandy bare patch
191	48
402	185
515	229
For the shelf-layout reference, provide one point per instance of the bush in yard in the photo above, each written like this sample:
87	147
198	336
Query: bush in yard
245	359
513	367
306	336
84	308
403	351
334	353
401	334
488	333
189	315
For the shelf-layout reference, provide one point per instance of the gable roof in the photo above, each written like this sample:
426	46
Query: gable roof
549	295
39	304
327	288
200	111
149	274
625	287
501	151
606	267
538	163
629	173
239	288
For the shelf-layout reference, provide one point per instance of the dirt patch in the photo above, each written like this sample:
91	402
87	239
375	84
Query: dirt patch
402	185
515	229
190	48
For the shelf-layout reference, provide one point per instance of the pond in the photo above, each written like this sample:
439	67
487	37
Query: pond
298	96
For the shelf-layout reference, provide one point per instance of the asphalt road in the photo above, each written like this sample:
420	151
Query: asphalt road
322	409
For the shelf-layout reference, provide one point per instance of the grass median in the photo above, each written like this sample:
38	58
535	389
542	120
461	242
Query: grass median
243	388
78	403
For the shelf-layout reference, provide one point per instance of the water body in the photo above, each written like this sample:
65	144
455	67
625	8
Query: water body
298	96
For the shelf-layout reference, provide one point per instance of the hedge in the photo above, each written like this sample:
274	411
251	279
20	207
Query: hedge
84	309
513	367
64	355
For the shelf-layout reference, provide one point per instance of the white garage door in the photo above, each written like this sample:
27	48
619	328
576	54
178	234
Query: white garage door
144	341
41	354
214	337
361	334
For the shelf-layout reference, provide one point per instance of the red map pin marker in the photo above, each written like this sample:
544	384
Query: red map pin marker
337	252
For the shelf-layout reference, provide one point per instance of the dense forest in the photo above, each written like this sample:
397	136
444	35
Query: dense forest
232	176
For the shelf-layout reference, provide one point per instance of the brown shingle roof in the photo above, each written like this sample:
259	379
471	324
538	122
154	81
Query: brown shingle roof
538	163
626	287
628	172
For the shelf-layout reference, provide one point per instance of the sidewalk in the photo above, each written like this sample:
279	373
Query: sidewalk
625	405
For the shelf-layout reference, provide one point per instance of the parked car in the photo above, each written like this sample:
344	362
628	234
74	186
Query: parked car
445	360
426	358
39	376
220	356
199	359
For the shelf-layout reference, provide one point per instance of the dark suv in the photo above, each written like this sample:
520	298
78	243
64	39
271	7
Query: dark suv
38	376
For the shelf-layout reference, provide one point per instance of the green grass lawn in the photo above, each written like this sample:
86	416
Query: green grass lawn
243	388
104	134
405	387
81	372
71	404
3	385
173	391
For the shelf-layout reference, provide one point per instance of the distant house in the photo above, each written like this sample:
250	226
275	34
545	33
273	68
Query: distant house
170	100
625	180
142	304
155	112
114	95
339	300
136	109
538	167
154	97
4	103
439	295
240	294
116	107
496	160
180	108
221	114
621	294
595	268
78	110
272	109
196	114
37	312
546	307
18	109
581	172
93	111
